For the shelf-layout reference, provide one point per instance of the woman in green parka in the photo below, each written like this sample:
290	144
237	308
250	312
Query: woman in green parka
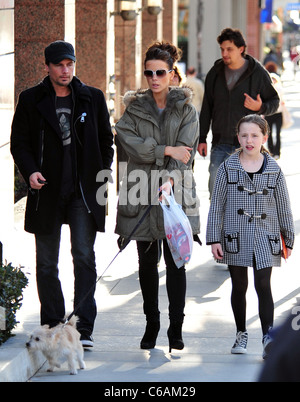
159	132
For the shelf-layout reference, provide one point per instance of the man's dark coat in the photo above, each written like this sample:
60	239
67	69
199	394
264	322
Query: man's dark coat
36	145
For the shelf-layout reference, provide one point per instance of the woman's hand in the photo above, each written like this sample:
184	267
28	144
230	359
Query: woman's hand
166	187
180	153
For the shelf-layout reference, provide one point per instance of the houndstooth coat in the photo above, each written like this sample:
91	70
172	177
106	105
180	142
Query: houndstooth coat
247	216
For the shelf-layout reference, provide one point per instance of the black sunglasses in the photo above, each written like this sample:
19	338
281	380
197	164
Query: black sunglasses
158	73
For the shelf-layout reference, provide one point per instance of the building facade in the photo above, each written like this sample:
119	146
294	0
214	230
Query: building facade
207	18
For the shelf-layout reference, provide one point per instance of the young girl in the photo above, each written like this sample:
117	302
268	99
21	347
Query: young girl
250	210
159	132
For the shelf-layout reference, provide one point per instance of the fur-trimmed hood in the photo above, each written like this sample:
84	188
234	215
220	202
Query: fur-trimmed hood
175	94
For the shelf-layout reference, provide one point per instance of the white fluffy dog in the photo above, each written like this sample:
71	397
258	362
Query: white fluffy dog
58	344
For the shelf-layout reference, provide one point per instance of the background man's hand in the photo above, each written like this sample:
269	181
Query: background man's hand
253	104
202	149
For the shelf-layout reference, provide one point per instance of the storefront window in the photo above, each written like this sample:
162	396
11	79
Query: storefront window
183	28
6	67
6	115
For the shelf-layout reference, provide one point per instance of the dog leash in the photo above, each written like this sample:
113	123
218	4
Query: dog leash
122	243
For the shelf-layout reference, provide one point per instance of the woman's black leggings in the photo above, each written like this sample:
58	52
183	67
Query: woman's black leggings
262	282
149	254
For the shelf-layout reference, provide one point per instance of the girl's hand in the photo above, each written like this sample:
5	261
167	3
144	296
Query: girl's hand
217	251
288	253
180	153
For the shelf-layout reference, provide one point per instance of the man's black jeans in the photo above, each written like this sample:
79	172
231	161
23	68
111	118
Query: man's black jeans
83	234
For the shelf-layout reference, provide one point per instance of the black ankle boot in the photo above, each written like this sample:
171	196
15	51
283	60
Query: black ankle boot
150	336
175	336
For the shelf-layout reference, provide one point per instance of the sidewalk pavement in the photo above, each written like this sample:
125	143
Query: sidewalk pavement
208	330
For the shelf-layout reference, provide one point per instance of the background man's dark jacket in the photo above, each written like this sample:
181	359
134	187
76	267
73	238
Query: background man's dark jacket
224	108
36	145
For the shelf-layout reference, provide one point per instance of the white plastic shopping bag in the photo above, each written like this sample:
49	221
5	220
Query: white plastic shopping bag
178	230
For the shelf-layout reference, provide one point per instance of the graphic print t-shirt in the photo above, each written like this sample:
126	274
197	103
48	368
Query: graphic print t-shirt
64	112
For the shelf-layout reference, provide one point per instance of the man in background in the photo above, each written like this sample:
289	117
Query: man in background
237	85
197	87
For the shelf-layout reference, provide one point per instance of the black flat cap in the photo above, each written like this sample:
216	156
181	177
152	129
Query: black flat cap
58	51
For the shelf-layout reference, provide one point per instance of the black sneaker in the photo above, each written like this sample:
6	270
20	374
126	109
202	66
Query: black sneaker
87	341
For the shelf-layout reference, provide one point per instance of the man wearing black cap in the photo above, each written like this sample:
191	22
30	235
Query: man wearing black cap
61	139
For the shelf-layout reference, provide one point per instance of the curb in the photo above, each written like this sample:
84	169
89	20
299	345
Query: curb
16	363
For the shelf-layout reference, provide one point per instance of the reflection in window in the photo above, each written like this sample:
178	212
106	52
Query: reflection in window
6	68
